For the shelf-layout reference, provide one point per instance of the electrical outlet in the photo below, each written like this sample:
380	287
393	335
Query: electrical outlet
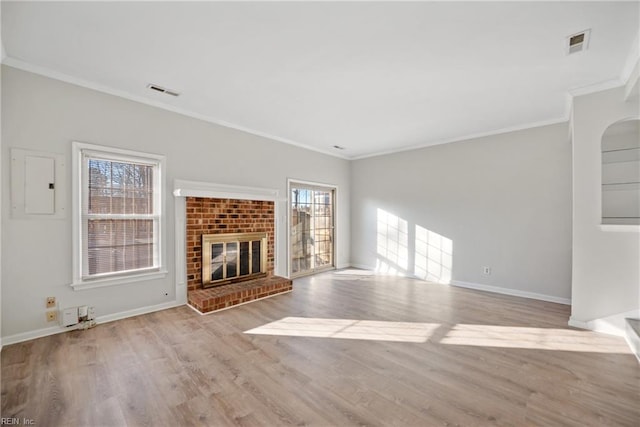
52	316
486	270
51	302
83	311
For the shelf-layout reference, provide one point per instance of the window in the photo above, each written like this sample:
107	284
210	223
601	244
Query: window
311	228
117	216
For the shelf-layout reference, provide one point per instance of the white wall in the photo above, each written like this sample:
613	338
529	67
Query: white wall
43	114
2	55
606	264
504	201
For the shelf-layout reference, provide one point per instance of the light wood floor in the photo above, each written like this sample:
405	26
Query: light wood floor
476	359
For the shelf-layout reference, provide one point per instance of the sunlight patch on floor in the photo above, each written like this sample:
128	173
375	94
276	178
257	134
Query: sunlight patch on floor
459	334
354	272
529	338
348	329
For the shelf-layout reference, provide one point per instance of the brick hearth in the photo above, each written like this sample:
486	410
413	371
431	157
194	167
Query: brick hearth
211	216
219	297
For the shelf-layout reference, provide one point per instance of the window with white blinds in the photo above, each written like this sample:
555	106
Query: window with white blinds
120	213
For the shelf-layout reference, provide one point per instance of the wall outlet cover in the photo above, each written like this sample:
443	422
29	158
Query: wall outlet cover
70	316
82	312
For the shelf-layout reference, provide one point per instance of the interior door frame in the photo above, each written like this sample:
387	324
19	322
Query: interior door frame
291	182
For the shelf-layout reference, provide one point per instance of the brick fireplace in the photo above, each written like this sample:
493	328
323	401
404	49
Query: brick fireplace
207	216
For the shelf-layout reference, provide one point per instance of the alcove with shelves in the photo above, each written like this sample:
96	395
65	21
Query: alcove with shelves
621	174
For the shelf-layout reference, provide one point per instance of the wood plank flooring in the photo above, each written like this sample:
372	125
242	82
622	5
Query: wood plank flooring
483	359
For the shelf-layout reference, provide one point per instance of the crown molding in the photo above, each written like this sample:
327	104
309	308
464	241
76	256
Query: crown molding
596	87
627	73
563	119
47	72
632	59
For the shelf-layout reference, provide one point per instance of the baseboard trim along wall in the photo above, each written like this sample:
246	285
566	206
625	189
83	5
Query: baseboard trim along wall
137	312
39	333
578	323
612	325
372	270
361	267
487	288
512	292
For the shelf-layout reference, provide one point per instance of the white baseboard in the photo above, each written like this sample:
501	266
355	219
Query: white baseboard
487	288
362	266
342	265
633	340
31	335
578	323
137	312
612	325
513	292
39	333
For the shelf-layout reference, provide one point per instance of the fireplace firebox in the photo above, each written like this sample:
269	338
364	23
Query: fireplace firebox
233	257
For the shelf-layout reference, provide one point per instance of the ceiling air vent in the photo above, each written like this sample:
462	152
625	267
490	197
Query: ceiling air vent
578	42
163	90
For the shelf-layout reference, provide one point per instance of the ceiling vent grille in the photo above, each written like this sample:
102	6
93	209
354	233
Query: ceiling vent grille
578	42
163	90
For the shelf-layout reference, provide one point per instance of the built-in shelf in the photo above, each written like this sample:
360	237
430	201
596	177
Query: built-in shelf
621	174
625	228
622	149
621	183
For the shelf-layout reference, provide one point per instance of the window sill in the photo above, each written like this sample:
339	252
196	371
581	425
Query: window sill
631	228
114	281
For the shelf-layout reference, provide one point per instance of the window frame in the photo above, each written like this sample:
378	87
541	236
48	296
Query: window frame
81	280
313	186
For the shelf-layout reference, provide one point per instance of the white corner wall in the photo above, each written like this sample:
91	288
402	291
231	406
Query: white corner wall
503	201
1	176
43	114
606	264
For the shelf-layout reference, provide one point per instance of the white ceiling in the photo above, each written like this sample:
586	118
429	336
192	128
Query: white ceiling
372	77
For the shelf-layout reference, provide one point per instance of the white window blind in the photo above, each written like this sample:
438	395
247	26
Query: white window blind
120	213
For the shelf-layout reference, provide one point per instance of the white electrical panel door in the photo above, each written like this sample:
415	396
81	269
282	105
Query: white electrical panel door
39	185
38	189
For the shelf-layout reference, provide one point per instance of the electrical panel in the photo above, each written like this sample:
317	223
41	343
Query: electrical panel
38	188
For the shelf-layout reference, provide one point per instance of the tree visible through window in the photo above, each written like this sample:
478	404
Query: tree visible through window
123	191
120	219
311	228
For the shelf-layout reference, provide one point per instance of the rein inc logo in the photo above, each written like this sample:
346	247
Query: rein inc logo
17	421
